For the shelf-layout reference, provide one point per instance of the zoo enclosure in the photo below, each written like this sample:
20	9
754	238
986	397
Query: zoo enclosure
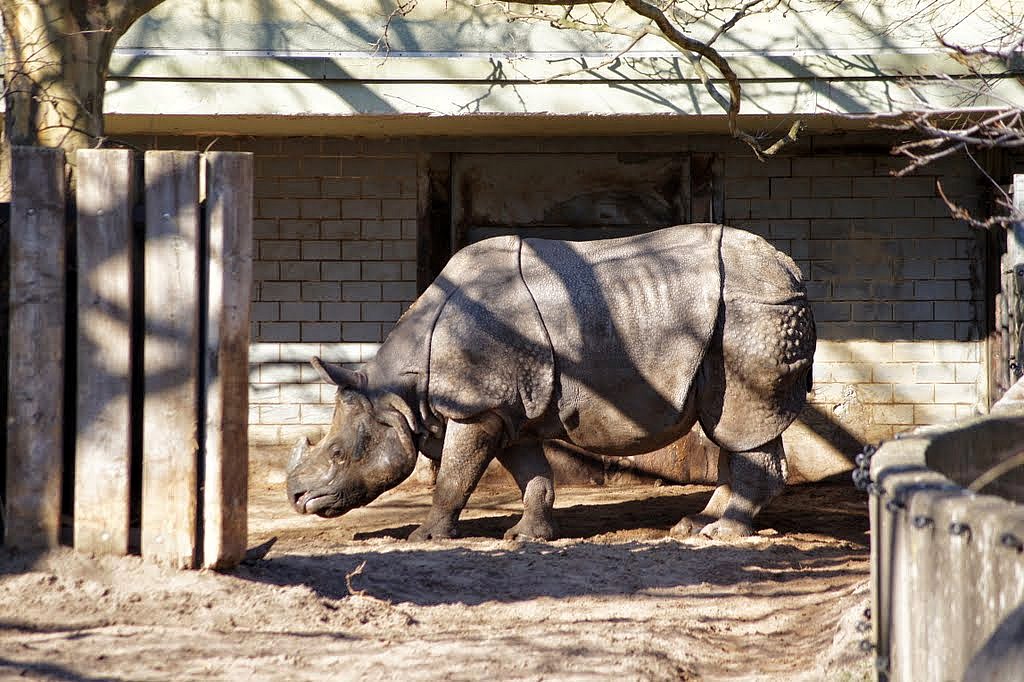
127	386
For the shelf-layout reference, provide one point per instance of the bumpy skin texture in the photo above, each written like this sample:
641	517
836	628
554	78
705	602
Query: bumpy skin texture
618	346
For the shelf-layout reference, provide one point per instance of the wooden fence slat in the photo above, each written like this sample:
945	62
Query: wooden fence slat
229	178
36	380
105	197
170	358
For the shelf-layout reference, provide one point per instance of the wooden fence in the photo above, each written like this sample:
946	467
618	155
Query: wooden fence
128	354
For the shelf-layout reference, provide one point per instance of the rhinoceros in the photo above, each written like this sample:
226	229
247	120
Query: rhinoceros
617	346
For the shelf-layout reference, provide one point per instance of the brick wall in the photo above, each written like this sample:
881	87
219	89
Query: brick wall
896	285
335	267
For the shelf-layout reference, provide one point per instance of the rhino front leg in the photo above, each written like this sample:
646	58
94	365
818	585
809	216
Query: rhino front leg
757	476
468	449
528	465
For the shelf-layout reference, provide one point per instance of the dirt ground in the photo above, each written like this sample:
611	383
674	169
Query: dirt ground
350	599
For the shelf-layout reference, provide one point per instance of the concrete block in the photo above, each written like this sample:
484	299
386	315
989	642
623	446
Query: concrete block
853	208
831	312
870	312
278	249
328	332
384	188
265	229
953	269
279	291
277	208
892	414
321	166
849	372
914	310
736	209
321	250
265	270
360	291
298	352
264	352
316	414
382	271
402	249
769	209
339	271
382	229
300	270
892	331
279	414
934	330
953	351
321	291
812	166
280	373
398	208
871	228
934	414
342	188
261	434
410	229
898	373
298	188
300	312
362	250
810	208
748	188
790	188
340	353
265	312
875	393
790	229
825	186
363	209
935	372
956	310
830	351
963	394
398	291
368	167
892	207
854	165
381	312
299	229
260	394
918	394
341	312
320	208
913	351
935	290
341	229
361	332
282	332
300	393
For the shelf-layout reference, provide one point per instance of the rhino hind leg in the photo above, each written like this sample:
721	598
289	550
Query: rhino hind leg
756	477
468	449
528	465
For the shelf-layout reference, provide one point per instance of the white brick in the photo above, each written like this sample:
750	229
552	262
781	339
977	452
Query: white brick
935	372
264	352
916	351
934	414
963	394
264	435
875	393
299	352
264	393
317	414
913	393
279	414
892	414
300	393
850	372
280	373
967	372
292	432
832	351
341	353
901	373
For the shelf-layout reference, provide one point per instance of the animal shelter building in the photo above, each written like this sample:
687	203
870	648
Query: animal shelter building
384	141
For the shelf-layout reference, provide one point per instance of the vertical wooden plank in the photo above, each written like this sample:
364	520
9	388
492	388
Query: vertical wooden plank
170	358
105	197
229	178
35	413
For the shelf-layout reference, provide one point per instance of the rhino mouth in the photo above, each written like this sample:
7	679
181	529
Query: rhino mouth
319	503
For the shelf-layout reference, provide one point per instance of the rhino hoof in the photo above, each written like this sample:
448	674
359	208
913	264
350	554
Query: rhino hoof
526	532
727	529
688	527
436	532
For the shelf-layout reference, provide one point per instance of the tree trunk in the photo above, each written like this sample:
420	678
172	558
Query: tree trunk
57	56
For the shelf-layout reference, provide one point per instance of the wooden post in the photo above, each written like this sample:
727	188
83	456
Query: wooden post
229	177
36	380
171	358
1015	258
106	195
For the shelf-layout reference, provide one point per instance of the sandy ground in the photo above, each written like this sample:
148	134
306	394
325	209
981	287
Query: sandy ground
350	599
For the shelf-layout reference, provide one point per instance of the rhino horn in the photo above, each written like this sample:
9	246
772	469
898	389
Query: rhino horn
299	451
342	377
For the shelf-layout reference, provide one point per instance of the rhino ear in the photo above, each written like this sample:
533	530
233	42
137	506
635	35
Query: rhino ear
342	377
